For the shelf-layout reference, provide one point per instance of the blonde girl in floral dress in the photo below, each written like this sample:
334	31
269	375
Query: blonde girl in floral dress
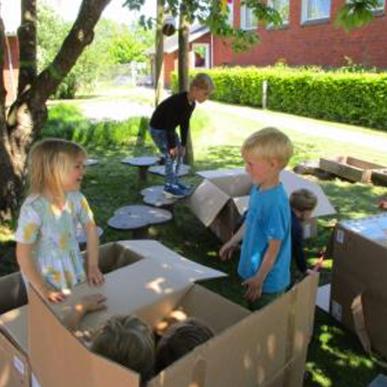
47	250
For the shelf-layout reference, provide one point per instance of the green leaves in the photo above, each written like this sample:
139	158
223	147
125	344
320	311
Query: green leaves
356	13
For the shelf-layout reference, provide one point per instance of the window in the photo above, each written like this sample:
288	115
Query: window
230	7
315	10
201	55
248	20
380	6
282	6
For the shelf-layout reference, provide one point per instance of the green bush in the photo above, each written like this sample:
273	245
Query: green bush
352	97
66	121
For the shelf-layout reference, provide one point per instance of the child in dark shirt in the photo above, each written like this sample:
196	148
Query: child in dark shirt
175	111
302	204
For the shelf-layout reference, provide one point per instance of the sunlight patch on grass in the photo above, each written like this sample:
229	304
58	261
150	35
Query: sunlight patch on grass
6	234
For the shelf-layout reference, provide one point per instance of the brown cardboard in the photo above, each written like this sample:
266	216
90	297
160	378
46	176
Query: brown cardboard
221	199
360	268
14	365
267	347
350	168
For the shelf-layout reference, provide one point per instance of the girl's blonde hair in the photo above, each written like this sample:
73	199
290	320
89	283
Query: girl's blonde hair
269	143
50	160
128	341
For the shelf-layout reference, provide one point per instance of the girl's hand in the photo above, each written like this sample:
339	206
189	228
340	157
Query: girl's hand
227	250
54	296
254	289
382	204
173	152
94	276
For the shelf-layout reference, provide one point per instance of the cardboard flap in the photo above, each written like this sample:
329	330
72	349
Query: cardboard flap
56	353
14	325
293	182
207	201
254	351
242	203
161	273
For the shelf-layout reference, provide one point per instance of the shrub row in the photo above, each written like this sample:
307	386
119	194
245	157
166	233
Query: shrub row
355	98
66	121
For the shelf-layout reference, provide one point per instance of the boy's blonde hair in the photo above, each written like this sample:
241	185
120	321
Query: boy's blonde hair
128	341
180	339
269	143
50	160
303	200
202	81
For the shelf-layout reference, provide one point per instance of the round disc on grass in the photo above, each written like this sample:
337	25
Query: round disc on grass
143	161
137	216
160	170
91	162
155	196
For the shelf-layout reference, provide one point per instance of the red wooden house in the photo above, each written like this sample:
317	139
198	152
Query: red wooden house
10	13
308	36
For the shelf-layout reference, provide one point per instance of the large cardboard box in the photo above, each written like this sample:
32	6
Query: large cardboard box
350	168
265	348
360	269
223	196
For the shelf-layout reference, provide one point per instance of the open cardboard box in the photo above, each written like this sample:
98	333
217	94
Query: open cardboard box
266	348
223	196
358	291
350	168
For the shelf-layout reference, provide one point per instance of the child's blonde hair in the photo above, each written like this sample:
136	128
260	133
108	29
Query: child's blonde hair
202	81
128	341
303	200
269	143
180	339
50	160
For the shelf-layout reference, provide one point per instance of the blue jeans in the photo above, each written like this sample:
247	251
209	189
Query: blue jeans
172	165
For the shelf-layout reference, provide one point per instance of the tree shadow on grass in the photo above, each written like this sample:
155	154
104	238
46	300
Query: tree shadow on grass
336	358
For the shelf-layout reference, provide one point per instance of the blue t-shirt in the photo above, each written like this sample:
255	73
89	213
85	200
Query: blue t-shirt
268	218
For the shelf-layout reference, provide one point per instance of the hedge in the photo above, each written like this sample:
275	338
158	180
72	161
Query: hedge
355	98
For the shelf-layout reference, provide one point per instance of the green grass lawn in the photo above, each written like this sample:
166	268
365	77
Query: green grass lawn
335	356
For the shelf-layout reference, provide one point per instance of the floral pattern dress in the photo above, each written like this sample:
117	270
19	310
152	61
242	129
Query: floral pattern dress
52	231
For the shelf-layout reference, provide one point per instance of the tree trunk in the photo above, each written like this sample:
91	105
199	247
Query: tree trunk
183	71
159	57
28	113
27	45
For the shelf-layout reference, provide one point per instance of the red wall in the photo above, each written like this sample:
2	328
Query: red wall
169	59
7	73
320	44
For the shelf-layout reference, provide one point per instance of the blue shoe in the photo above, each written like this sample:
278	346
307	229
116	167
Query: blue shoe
173	190
183	186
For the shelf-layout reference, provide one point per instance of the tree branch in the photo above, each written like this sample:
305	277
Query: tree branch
27	43
79	37
2	61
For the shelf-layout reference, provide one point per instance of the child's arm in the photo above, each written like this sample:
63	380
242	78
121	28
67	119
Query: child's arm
71	317
254	284
28	267
228	248
94	275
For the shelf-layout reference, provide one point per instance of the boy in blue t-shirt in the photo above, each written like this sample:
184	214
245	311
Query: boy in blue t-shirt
264	263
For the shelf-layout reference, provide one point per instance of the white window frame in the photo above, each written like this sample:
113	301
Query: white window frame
284	22
380	9
230	5
244	13
207	57
304	12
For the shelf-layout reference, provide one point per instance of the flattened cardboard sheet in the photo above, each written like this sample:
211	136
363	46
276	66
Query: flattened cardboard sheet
160	273
14	324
